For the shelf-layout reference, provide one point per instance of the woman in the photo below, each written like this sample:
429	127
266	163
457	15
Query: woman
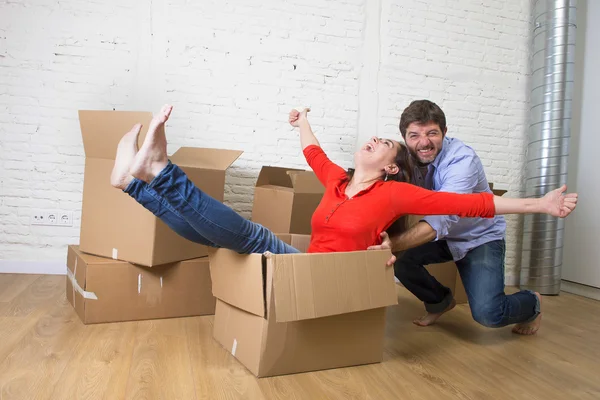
356	207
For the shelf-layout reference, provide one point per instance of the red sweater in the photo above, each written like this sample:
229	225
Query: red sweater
343	224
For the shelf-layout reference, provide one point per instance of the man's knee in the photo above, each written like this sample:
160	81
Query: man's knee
489	314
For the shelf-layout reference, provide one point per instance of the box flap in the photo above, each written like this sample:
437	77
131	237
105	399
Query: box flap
309	286
306	182
206	158
102	130
237	279
276	176
90	259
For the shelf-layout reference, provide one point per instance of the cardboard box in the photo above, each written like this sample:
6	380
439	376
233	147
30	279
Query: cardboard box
106	290
113	224
446	273
285	199
289	313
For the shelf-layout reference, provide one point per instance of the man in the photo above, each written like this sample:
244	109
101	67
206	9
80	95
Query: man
476	245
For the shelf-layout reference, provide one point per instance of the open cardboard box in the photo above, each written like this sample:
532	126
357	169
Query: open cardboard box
289	313
106	290
285	199
113	224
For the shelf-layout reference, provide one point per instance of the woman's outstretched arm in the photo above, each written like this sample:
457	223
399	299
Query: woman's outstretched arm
298	119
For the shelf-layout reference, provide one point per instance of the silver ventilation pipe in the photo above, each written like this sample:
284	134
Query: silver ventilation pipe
553	55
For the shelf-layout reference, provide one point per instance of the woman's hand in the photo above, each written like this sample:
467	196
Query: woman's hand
296	117
558	204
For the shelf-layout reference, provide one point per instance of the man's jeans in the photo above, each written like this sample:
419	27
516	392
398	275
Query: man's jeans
482	273
196	216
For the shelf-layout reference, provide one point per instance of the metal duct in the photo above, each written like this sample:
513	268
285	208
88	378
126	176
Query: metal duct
554	27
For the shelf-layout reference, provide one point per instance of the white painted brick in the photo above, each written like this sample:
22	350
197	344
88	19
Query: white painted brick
229	70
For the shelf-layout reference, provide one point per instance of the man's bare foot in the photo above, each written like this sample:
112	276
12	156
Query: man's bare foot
530	328
126	151
430	318
152	157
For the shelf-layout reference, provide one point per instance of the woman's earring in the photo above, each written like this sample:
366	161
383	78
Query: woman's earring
386	177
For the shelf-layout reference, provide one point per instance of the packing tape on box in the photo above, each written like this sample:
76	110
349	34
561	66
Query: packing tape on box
86	295
72	279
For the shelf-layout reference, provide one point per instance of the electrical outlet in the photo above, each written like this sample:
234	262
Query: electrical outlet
39	217
65	218
52	217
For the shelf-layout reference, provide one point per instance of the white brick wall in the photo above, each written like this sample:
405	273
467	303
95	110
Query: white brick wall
233	70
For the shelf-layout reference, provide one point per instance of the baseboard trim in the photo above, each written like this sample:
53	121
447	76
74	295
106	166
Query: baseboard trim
33	267
580	290
511	280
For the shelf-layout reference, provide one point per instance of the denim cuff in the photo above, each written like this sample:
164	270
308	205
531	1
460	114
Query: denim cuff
132	186
163	175
536	308
441	306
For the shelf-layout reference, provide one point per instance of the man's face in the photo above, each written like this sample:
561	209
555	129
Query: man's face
424	141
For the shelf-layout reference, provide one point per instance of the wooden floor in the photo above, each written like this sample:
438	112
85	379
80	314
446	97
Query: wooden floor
47	353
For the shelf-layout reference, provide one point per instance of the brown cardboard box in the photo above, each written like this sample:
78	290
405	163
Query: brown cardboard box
113	224
289	313
285	199
106	290
447	273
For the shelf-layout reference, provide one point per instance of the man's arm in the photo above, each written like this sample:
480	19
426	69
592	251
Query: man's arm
417	235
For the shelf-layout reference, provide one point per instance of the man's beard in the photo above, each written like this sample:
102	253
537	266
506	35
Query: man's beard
417	160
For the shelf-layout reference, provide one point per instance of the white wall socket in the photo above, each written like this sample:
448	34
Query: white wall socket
52	217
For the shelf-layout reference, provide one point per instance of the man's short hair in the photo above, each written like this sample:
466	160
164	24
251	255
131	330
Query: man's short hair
422	112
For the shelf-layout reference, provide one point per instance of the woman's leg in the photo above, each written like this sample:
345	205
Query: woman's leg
139	190
158	206
211	219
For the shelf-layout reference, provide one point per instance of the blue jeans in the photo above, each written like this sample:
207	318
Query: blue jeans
482	273
196	216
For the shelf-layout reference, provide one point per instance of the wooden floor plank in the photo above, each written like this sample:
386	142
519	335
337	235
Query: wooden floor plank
100	367
37	294
36	362
11	285
217	374
160	365
47	353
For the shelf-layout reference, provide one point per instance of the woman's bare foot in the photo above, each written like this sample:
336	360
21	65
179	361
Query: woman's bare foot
430	318
152	157
126	151
530	328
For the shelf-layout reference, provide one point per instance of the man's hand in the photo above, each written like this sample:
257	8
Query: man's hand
386	244
297	116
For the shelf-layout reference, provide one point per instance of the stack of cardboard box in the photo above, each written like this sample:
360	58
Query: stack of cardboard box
129	265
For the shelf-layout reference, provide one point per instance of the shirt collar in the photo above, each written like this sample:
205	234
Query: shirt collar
445	146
